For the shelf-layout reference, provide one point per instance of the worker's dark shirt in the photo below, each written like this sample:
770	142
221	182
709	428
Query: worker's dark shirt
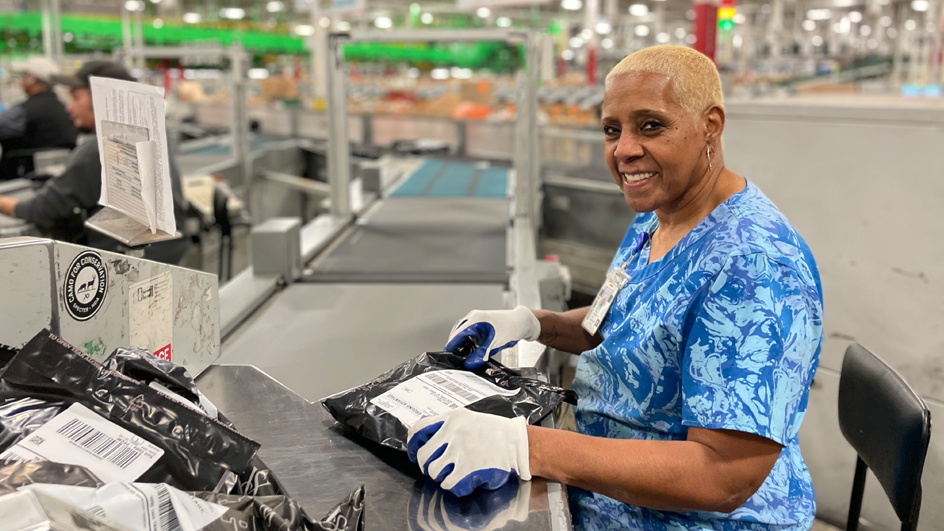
40	122
62	206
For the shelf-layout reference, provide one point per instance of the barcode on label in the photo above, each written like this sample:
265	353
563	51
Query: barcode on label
450	386
103	446
165	508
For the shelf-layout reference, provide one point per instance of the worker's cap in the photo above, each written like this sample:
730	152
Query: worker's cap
94	69
41	68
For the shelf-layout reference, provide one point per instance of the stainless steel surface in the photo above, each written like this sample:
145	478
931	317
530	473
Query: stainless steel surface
241	296
319	339
319	465
422	240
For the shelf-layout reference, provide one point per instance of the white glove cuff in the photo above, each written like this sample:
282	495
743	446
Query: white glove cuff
524	455
531	326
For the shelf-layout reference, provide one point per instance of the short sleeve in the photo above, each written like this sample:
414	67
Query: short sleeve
751	348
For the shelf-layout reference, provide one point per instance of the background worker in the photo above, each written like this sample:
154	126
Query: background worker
62	206
692	383
40	122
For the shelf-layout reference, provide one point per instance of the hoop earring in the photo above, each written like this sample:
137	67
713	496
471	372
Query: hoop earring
708	149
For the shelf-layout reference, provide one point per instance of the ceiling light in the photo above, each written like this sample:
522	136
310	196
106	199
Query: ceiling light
383	22
819	14
680	33
503	22
606	43
638	10
68	37
641	30
134	5
158	23
872	44
191	18
567	55
258	73
576	42
233	13
885	21
586	34
426	18
737	41
275	7
920	5
324	22
930	27
739	18
483	12
439	73
571	5
855	17
690	14
817	40
342	25
892	33
809	25
910	25
662	38
691	39
305	30
865	31
603	27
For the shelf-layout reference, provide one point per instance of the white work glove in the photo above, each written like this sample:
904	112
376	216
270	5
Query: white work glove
463	450
433	509
493	331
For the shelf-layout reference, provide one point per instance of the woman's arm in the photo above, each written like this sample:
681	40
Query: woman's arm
713	470
562	330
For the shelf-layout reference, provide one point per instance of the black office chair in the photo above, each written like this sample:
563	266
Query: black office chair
889	426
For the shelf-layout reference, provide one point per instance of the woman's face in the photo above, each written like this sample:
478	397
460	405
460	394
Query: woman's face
654	148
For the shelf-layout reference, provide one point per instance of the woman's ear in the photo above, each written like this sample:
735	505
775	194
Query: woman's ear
714	122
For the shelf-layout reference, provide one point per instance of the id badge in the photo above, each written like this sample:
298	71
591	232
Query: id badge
615	280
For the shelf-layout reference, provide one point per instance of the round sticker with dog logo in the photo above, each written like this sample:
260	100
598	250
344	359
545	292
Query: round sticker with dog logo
85	285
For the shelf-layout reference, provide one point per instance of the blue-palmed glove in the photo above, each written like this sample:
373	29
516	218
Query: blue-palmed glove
463	450
493	331
433	509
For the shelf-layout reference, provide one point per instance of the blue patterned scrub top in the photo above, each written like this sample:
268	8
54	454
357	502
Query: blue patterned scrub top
723	332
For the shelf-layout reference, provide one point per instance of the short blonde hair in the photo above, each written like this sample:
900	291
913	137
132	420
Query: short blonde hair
694	76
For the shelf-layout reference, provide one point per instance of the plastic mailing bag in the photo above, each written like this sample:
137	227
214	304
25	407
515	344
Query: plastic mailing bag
281	513
383	410
188	450
14	475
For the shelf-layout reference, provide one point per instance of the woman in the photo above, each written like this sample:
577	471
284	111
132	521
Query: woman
693	382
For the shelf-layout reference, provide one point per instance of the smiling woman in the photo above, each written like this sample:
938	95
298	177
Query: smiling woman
696	357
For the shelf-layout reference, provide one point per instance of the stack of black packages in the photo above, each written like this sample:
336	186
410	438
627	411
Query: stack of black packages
201	453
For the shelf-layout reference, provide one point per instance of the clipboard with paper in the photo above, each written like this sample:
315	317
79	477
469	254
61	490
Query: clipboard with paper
136	190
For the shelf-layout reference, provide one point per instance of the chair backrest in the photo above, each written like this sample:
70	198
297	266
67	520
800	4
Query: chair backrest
889	426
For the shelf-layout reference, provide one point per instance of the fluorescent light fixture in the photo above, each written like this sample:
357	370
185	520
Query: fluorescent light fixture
844	25
439	73
817	40
920	5
258	73
158	23
662	37
606	43
865	30
342	25
155	1
305	30
483	12
275	6
603	27
910	25
567	55
737	41
503	22
586	34
134	5
383	22
819	14
460	73
856	17
413	73
191	18
809	25
641	30
680	33
571	5
233	13
426	18
324	22
638	10
739	18
576	42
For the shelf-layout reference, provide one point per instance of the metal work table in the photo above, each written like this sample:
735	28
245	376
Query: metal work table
319	339
319	465
422	240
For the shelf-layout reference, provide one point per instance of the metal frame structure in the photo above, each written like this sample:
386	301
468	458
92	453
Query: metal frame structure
527	166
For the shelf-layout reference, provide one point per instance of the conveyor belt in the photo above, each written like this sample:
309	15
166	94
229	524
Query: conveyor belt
319	339
443	178
422	240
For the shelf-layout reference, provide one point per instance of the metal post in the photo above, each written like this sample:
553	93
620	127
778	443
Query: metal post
126	36
56	22
240	123
47	30
138	39
339	151
533	136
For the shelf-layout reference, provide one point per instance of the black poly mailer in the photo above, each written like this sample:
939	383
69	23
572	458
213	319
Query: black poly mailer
198	451
532	399
281	513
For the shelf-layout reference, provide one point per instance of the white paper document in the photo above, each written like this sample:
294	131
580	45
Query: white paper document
138	506
132	144
79	436
434	393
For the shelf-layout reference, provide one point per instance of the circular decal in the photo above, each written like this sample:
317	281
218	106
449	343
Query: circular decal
86	283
